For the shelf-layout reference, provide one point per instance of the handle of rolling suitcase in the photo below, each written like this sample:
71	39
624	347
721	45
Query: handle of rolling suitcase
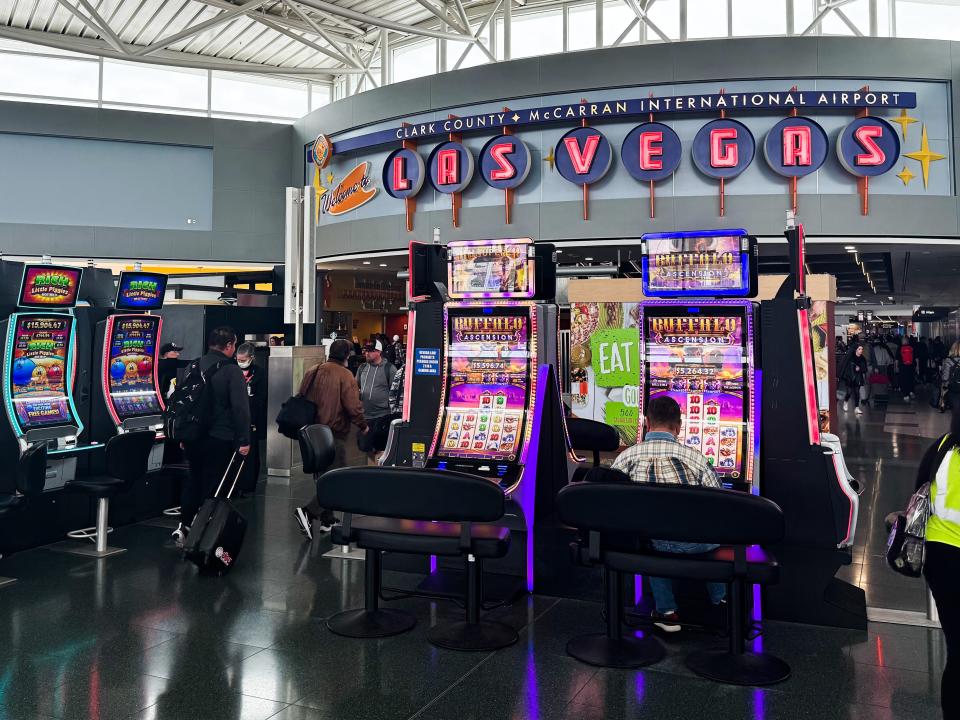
226	473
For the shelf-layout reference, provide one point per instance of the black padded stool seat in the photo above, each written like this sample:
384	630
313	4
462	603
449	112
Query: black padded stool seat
125	457
714	566
421	512
318	448
592	436
422	537
8	502
616	508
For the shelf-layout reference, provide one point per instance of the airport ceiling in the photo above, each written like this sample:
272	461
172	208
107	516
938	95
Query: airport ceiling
300	38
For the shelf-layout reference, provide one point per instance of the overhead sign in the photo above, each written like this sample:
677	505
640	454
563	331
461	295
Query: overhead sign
869	146
723	149
583	155
403	174
610	109
451	167
930	314
795	147
651	152
505	162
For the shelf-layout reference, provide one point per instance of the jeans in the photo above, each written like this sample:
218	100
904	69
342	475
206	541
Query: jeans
942	570
663	588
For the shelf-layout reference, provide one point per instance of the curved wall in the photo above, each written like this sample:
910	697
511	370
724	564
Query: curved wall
757	200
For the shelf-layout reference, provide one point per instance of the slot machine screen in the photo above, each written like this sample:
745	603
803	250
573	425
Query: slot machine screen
488	376
491	268
49	286
130	366
37	378
139	291
699	359
712	263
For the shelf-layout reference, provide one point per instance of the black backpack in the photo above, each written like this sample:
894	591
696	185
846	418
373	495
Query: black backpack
190	409
953	380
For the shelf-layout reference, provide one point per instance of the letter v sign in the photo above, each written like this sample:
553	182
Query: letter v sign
582	161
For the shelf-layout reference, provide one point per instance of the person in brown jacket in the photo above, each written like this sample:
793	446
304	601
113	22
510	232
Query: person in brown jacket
334	390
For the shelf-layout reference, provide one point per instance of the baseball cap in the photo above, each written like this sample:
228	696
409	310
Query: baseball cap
375	345
170	347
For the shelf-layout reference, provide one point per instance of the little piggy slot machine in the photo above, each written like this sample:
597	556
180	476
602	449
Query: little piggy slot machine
127	393
482	393
39	369
698	348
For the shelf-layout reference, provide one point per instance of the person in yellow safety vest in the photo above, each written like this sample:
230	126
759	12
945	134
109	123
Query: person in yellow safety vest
941	466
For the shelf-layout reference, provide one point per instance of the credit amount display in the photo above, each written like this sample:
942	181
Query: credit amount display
38	372
488	377
699	362
130	366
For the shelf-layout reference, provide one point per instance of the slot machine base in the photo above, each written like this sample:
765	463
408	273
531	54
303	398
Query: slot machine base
72	547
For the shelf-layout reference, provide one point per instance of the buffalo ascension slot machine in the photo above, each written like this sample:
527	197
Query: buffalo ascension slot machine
698	347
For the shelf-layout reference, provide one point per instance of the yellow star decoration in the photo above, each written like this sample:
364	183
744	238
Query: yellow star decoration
925	156
515	117
330	178
903	120
906	175
550	158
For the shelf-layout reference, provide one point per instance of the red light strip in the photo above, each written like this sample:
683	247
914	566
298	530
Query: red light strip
408	373
809	378
105	371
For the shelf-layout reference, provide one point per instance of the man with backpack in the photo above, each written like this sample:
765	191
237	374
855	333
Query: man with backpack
374	378
907	374
950	378
209	415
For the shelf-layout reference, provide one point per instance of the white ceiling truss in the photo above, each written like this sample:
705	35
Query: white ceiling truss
309	39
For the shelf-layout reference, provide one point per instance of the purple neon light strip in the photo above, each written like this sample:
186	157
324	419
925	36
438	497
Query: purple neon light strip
693	233
528	487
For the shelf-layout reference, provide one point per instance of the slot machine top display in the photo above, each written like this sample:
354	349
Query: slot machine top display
39	361
697	345
490	369
131	342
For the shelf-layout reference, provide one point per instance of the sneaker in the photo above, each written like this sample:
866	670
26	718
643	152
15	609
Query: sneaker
906	398
846	406
180	534
858	411
304	521
326	525
912	395
668	622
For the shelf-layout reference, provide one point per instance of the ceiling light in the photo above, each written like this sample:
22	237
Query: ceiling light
889	297
366	262
383	264
588	259
849	247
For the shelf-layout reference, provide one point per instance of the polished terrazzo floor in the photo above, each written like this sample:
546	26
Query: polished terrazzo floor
140	635
882	449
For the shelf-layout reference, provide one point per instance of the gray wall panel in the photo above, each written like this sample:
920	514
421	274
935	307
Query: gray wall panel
884	57
924	216
403	98
512	79
247	223
760	57
614	67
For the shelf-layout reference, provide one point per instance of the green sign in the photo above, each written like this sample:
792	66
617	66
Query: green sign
615	356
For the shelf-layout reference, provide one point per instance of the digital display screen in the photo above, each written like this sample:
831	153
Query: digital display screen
700	361
130	366
140	291
488	376
38	370
714	265
49	286
490	269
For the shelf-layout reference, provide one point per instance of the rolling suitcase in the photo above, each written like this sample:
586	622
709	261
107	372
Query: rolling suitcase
216	536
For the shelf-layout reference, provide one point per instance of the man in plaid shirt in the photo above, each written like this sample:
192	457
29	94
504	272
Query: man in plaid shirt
662	459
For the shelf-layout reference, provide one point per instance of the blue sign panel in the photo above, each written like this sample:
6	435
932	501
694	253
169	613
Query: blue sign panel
451	167
505	162
868	146
426	361
651	151
796	147
583	155
403	173
723	149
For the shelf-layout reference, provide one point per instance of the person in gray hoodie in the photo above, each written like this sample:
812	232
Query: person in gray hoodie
374	378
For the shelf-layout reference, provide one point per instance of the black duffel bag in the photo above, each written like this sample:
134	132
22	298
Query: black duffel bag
296	412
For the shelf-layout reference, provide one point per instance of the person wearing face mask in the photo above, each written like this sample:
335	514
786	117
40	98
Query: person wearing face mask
255	378
854	374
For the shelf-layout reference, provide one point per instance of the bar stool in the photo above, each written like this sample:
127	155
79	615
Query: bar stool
126	458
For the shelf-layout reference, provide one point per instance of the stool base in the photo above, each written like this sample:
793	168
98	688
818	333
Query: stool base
382	622
461	635
623	652
85	549
736	669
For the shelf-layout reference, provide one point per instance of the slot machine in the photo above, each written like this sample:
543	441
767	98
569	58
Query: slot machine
39	372
697	343
126	390
482	392
801	471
